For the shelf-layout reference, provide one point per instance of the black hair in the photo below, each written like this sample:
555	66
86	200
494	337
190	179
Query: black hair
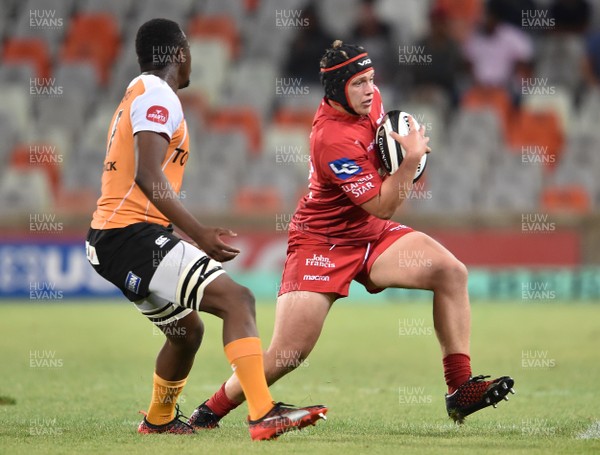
158	42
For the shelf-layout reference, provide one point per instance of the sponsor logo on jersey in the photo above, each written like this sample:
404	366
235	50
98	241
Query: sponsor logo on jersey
157	114
358	190
397	228
315	278
320	261
162	241
181	156
344	168
360	187
132	282
110	166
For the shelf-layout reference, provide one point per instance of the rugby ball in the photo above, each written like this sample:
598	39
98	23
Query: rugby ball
391	152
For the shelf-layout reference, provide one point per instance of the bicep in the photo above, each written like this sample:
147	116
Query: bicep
372	206
150	151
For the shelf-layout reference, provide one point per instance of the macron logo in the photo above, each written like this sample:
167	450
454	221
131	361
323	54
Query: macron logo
157	114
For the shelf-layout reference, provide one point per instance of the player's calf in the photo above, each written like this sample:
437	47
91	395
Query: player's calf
232	303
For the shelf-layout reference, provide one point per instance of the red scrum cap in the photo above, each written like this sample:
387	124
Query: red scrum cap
339	64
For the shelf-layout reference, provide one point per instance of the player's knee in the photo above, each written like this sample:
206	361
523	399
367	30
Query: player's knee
239	301
451	272
194	338
185	335
246	300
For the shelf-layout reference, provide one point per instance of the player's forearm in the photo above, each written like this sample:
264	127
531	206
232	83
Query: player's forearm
405	173
395	189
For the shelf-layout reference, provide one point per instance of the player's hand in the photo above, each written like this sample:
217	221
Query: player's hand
414	143
210	242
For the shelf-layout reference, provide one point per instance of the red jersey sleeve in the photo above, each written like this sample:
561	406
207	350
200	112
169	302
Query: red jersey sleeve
347	165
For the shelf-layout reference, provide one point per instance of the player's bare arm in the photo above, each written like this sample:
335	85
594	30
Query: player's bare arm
150	151
397	186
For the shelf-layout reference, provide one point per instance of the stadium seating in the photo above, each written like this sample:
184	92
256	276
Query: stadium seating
46	21
479	130
210	67
24	191
84	169
301	118
252	83
32	50
67	110
17	103
559	101
93	38
178	11
258	37
16	73
221	28
124	70
557	56
8	133
512	185
464	15
495	98
288	146
588	117
196	105
119	9
410	20
537	133
570	199
234	9
250	201
239	124
569	173
236	119
44	157
76	77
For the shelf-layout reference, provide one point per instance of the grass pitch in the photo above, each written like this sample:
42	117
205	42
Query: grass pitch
75	375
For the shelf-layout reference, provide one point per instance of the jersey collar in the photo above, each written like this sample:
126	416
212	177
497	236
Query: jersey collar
331	112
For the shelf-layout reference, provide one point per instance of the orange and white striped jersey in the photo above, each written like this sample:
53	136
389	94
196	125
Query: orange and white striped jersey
149	104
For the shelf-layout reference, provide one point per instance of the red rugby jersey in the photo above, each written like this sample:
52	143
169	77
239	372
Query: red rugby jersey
343	175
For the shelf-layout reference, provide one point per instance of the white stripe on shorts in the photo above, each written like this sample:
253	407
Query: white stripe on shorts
184	267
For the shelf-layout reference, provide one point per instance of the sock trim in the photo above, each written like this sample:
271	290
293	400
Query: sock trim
243	347
164	383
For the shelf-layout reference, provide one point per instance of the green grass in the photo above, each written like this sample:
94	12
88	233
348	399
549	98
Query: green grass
385	389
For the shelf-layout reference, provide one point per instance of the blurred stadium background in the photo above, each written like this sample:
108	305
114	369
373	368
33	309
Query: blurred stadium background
512	187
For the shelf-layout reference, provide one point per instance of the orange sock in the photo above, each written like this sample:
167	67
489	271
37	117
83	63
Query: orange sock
164	398
246	358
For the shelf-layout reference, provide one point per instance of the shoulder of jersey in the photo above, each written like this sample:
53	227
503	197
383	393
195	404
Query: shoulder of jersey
336	133
157	87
